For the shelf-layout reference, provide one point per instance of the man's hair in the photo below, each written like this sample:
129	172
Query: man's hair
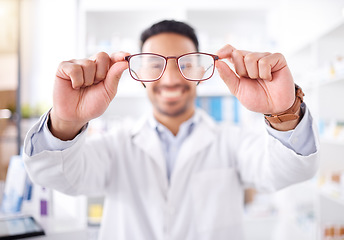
170	26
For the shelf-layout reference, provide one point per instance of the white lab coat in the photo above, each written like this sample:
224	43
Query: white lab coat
204	199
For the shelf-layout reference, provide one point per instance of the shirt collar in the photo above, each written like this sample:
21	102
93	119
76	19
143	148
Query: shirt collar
188	125
148	120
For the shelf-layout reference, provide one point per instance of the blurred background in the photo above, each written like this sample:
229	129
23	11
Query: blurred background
36	35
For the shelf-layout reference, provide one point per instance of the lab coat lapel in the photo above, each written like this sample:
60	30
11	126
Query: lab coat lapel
202	136
146	138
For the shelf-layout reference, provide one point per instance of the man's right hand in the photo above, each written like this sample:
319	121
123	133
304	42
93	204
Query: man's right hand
83	90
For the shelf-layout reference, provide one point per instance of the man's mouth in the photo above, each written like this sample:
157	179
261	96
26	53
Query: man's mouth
172	93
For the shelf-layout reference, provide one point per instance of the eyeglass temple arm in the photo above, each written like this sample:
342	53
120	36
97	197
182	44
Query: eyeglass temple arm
137	77
215	58
205	72
126	58
208	68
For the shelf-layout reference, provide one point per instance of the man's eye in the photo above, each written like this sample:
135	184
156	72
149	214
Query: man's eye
185	66
156	65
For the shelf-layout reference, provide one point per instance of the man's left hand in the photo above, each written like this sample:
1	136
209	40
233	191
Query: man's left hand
262	81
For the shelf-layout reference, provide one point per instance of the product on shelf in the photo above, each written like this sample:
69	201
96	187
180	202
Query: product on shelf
333	232
95	213
333	184
328	233
338	66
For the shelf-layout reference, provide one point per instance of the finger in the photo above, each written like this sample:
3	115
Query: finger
228	76
276	61
264	69
239	64
270	64
102	61
114	74
118	57
226	52
89	71
251	61
68	70
234	56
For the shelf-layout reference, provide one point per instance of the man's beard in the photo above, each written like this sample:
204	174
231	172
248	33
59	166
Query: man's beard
177	112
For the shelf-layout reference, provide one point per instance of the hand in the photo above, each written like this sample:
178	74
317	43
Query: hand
83	90
262	82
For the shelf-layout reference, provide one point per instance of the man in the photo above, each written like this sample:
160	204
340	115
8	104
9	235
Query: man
175	174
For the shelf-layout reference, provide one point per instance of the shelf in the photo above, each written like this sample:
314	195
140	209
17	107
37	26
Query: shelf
339	201
323	83
332	142
336	31
331	209
339	80
331	156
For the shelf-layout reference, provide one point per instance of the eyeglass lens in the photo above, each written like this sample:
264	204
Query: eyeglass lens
194	66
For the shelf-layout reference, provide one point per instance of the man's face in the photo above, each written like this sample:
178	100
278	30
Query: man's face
172	95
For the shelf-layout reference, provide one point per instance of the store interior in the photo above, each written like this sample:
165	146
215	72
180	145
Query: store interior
36	35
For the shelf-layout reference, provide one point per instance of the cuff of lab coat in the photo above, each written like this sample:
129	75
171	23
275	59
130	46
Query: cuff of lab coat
42	139
302	139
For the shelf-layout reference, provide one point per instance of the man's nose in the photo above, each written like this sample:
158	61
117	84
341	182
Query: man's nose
172	74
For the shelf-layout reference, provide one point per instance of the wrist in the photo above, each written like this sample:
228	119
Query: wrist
290	118
287	125
64	130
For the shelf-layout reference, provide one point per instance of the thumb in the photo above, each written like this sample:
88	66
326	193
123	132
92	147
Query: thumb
228	76
113	76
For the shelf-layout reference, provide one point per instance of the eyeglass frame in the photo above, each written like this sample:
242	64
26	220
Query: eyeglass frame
215	58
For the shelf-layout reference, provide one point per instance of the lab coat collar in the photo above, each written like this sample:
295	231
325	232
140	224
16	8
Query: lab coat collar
202	136
187	124
149	121
147	139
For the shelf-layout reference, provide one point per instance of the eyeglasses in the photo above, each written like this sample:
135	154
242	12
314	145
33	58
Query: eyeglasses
149	67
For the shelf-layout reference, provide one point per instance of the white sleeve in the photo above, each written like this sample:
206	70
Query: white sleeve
301	139
269	163
42	139
79	166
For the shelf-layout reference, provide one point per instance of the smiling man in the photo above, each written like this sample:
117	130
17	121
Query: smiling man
175	174
172	96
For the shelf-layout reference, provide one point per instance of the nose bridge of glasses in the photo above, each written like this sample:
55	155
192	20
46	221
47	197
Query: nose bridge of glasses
171	70
172	58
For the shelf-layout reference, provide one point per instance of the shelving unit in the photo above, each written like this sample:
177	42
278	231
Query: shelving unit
333	199
10	135
317	66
